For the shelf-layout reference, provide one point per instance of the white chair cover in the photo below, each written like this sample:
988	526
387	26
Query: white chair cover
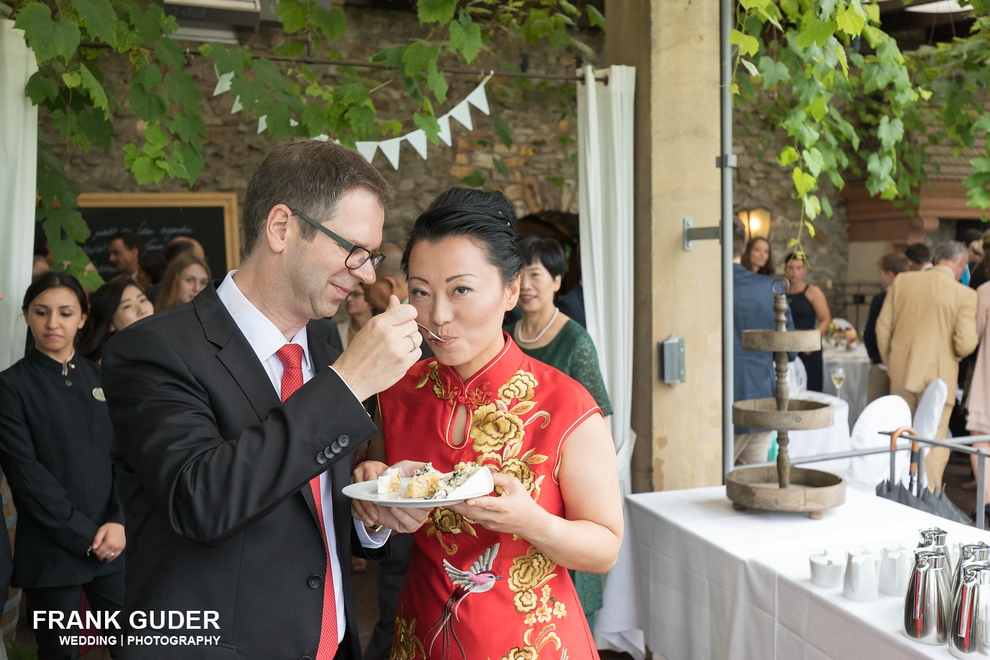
927	418
797	378
885	414
830	440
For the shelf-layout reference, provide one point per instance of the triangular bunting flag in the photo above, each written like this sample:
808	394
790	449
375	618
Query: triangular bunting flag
418	141
391	150
367	149
322	137
479	99
262	123
237	106
293	122
462	113
444	133
223	84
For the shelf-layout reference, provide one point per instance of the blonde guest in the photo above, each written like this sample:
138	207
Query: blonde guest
184	278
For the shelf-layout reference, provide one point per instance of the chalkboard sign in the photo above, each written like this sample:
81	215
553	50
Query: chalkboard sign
210	218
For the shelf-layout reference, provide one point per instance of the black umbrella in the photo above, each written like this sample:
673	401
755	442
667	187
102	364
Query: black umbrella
913	495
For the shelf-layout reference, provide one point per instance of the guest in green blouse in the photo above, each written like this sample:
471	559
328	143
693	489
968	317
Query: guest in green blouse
553	338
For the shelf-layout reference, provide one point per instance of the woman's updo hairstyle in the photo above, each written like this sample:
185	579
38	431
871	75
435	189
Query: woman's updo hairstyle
486	217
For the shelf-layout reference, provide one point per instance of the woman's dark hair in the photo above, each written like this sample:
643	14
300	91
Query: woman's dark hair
547	251
795	256
486	217
766	269
53	280
103	305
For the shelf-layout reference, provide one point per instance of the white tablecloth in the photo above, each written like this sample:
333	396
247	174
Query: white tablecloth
697	579
856	364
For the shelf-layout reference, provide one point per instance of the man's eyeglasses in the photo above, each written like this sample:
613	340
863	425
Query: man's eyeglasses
357	256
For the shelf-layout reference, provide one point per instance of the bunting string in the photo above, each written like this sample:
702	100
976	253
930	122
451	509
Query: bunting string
390	148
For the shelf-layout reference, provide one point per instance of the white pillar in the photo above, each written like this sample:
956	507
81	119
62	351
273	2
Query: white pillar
18	185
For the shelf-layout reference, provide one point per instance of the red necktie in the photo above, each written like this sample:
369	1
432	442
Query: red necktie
292	379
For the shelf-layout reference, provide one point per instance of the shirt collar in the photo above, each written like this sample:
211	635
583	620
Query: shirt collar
263	336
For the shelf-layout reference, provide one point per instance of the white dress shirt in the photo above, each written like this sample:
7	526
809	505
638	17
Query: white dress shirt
265	339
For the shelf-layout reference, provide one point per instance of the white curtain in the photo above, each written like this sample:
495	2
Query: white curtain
18	178
605	138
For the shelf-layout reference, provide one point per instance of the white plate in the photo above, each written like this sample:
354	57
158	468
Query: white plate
478	484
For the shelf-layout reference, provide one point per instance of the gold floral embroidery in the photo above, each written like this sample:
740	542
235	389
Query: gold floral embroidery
493	427
521	386
531	648
531	571
444	521
525	601
407	645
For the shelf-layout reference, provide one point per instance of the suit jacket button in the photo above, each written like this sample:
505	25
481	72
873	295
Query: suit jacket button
315	582
321	458
335	448
305	657
328	453
343	441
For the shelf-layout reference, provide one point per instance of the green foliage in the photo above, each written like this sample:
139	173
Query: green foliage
827	97
292	98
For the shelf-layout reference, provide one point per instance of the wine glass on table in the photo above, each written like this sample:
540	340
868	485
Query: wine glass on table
838	375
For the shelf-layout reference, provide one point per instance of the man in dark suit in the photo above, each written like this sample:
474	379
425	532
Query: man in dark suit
752	307
890	265
234	435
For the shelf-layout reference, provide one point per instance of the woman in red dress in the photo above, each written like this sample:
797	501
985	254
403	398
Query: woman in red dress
488	576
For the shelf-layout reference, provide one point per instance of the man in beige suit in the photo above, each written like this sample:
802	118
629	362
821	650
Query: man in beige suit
926	325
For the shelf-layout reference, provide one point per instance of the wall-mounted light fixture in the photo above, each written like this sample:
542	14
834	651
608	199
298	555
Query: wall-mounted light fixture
757	222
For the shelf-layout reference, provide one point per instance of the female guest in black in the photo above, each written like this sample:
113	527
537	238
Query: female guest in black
810	311
55	438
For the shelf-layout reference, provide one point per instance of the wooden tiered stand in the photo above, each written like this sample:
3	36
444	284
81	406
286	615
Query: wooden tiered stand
783	488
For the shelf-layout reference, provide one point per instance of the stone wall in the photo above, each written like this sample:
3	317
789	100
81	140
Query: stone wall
233	148
760	182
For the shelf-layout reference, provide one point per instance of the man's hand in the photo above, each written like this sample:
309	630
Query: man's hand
382	351
109	542
373	515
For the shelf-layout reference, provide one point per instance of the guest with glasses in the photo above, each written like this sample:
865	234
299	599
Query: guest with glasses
235	428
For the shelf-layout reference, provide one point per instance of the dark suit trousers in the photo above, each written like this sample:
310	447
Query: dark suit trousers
105	594
391	578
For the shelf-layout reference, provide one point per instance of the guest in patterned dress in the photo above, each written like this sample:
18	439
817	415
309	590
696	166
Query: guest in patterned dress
488	576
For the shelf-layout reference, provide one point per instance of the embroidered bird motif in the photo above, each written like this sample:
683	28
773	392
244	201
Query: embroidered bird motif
477	579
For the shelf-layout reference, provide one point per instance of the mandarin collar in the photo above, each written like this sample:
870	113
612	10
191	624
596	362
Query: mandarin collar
498	370
51	364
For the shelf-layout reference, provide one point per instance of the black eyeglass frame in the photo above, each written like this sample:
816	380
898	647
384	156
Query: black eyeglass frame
374	256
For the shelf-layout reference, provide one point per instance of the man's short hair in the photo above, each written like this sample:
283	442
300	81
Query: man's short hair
178	245
949	251
392	266
893	262
310	176
131	241
738	237
918	253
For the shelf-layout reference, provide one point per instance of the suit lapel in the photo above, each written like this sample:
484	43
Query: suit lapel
235	352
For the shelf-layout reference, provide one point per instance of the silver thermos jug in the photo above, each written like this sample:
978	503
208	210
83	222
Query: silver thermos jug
969	636
969	554
926	608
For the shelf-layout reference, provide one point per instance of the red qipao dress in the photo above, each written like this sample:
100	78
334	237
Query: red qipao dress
471	593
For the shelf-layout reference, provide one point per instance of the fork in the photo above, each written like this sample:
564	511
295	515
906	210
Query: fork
432	334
